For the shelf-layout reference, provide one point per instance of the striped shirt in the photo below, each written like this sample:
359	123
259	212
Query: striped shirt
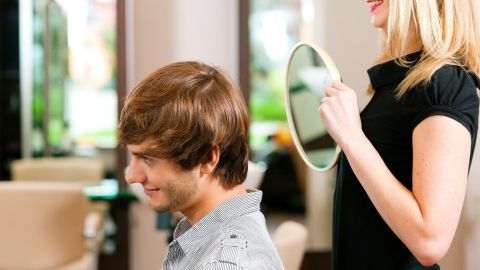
232	236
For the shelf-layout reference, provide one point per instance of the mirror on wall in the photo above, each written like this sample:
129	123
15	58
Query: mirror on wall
310	70
69	105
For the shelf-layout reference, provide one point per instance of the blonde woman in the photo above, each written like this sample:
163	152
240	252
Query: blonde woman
403	171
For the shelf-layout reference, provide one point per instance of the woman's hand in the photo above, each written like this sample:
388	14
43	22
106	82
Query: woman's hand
340	113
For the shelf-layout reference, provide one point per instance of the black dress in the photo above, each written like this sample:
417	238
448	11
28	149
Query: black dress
361	238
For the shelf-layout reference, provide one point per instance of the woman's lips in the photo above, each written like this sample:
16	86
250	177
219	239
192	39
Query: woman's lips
374	5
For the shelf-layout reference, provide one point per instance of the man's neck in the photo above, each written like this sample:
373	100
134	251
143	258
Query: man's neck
209	198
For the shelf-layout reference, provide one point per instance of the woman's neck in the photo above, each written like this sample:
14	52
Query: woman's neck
412	45
413	42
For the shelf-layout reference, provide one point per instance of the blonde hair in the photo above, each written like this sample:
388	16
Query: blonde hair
448	32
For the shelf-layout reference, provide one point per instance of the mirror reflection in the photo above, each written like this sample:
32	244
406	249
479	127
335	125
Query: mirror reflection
309	72
69	105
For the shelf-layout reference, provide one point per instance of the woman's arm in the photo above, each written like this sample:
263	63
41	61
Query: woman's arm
426	218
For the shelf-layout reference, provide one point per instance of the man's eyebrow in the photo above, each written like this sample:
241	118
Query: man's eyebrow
139	153
146	152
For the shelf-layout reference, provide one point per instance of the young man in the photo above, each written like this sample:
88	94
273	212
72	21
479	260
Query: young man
186	126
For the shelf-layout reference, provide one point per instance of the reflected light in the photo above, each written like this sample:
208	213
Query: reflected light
274	34
308	11
77	16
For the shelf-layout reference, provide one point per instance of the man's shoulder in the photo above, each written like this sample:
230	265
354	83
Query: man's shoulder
237	248
244	243
251	227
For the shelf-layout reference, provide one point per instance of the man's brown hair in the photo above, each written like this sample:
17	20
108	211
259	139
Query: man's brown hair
185	109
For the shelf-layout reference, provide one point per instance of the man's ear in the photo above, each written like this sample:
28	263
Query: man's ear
209	166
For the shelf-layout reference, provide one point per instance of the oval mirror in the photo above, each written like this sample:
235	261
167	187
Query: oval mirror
310	70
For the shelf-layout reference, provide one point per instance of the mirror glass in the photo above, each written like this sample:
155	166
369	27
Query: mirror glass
69	80
309	72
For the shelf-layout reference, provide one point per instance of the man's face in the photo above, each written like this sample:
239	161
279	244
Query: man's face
167	186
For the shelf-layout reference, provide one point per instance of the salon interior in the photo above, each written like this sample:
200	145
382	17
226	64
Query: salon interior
65	69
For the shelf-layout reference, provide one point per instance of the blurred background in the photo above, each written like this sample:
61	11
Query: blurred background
66	67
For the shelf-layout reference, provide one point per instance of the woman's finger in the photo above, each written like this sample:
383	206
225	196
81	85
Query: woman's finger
323	110
330	91
339	86
326	100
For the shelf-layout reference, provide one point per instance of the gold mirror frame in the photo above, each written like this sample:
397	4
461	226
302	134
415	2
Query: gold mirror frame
332	69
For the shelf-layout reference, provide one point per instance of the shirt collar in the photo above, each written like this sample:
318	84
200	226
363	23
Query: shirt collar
391	71
187	235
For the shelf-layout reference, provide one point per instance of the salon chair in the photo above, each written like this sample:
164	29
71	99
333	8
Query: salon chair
45	226
72	169
255	174
290	239
82	170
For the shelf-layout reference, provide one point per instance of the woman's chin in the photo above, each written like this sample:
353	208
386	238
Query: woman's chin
377	24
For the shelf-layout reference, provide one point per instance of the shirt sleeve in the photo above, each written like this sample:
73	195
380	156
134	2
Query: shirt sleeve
452	92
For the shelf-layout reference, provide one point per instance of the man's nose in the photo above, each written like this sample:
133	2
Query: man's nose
134	173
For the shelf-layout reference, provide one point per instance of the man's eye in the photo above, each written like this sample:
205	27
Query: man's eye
146	159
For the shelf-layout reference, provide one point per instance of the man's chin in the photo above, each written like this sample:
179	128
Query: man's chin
160	208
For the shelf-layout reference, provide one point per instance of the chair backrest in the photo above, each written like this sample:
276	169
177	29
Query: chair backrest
290	240
255	174
70	169
41	224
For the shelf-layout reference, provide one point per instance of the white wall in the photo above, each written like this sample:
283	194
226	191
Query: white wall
160	32
176	30
472	213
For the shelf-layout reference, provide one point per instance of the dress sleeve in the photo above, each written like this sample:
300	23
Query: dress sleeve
452	92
